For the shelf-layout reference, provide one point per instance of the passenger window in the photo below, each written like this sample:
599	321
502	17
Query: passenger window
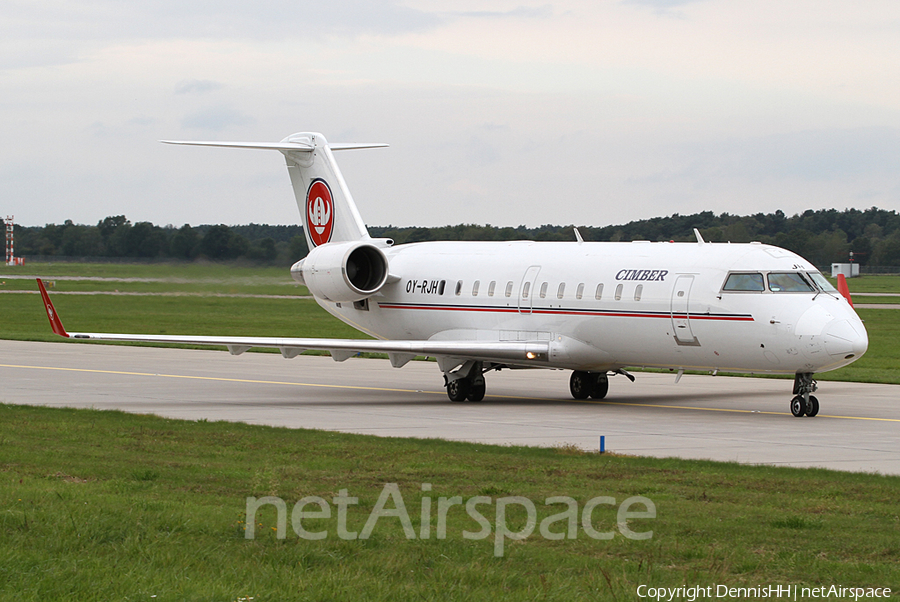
509	286
744	282
579	292
599	294
544	290
475	288
638	291
491	288
441	287
458	288
526	288
619	292
789	282
561	291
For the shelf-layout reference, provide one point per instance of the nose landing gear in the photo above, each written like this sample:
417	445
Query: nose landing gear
804	403
801	406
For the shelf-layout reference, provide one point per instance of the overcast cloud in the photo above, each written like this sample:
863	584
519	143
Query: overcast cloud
505	113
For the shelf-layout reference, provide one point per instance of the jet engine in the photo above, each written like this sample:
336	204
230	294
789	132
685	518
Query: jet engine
343	272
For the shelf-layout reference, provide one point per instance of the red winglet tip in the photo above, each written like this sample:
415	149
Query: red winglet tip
843	289
55	322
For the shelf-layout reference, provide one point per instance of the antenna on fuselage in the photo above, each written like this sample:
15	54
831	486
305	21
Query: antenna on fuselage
700	240
578	236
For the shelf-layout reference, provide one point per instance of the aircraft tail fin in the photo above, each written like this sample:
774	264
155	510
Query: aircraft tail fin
323	198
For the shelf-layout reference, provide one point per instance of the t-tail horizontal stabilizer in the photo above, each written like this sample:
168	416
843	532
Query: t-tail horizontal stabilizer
323	198
285	146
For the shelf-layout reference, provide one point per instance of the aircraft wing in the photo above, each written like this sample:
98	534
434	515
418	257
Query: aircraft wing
399	351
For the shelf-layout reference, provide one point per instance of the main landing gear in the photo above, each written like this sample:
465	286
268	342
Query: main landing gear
592	384
466	383
588	384
803	403
462	389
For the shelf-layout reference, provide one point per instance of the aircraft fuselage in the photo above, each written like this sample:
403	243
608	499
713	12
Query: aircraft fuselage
609	305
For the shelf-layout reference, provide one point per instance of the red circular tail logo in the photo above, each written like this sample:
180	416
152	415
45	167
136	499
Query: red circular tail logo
319	212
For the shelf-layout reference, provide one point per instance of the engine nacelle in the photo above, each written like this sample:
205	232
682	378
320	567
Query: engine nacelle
343	272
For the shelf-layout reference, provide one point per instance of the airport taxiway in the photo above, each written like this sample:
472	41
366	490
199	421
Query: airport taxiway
745	420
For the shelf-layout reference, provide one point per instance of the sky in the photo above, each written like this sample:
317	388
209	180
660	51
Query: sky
507	113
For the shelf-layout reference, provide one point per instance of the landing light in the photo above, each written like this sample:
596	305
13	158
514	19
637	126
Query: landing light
531	355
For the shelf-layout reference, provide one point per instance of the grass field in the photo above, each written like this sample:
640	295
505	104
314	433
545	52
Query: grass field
193	271
108	506
209	287
24	317
873	284
200	278
880	300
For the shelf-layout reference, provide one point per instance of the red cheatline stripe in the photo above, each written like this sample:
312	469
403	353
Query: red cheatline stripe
450	308
732	318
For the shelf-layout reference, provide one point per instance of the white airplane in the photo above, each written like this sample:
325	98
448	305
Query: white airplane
594	308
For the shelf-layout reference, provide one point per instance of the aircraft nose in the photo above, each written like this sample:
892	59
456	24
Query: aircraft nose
845	339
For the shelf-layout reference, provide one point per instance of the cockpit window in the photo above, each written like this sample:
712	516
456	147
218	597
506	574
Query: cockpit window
822	282
744	282
790	282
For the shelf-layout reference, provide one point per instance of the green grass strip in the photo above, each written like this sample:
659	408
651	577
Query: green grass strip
101	505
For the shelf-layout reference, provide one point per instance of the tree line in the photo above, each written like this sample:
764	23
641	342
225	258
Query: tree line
823	237
117	237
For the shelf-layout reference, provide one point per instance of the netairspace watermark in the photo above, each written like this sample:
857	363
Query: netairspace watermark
788	592
562	525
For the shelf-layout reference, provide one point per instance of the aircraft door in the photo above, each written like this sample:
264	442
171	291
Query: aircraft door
681	316
527	290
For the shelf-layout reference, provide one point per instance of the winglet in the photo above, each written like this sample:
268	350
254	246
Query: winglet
843	289
55	322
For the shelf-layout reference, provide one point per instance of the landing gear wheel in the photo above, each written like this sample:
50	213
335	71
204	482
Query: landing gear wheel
804	404
580	384
458	390
476	392
601	386
812	408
